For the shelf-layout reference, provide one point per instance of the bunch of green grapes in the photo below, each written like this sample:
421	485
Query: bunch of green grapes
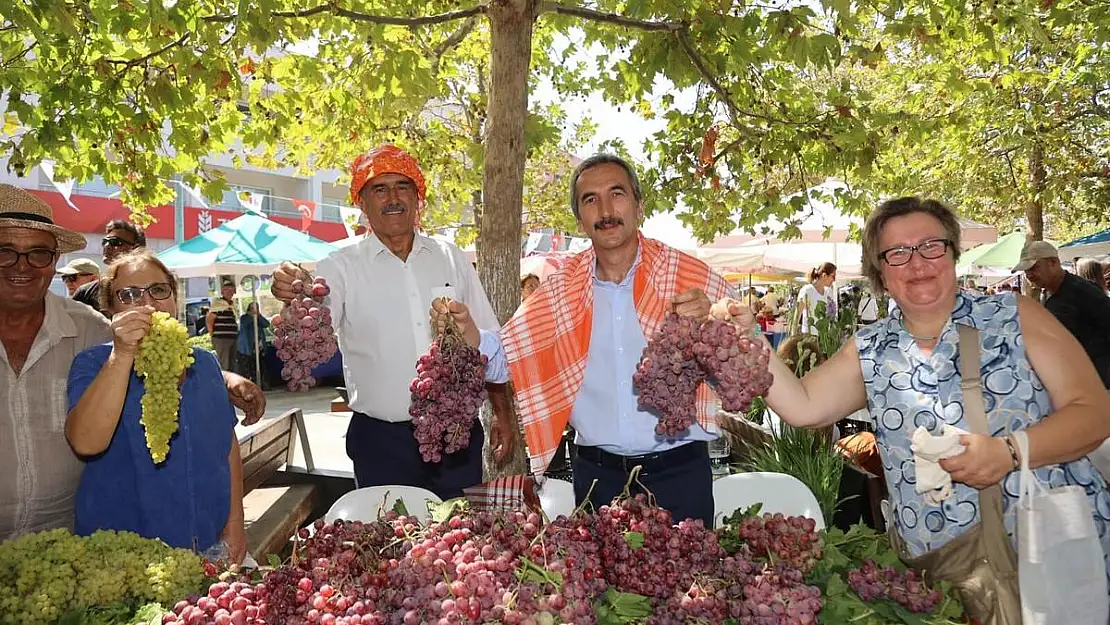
164	354
46	575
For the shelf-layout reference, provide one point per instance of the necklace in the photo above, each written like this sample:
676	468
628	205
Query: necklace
926	339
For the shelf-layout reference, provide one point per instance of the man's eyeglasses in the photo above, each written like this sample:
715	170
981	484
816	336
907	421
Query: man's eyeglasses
38	258
134	294
116	242
73	277
931	249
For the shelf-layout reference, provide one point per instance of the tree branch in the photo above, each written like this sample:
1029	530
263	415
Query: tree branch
456	37
357	16
146	57
545	6
20	55
722	93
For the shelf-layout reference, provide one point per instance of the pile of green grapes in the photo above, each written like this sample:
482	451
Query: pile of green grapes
163	357
49	574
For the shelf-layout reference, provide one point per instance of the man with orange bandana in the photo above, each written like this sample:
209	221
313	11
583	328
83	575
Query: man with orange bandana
381	297
574	344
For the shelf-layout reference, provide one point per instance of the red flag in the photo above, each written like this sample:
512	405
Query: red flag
556	241
307	210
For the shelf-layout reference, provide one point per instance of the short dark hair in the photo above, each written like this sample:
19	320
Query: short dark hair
603	159
873	230
130	228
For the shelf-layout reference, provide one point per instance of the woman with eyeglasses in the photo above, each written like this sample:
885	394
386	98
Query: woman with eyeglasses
194	499
907	371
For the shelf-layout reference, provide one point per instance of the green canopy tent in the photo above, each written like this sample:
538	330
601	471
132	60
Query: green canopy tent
248	244
992	259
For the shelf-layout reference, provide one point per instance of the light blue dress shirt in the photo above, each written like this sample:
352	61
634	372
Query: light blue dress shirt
606	413
497	366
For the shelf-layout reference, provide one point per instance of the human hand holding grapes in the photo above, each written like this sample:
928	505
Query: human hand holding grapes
693	303
128	329
281	285
443	310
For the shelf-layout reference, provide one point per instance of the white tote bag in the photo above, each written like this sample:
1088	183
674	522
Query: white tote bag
1061	571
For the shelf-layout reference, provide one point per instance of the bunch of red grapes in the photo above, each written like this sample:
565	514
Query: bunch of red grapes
303	334
793	540
683	353
874	583
511	568
448	391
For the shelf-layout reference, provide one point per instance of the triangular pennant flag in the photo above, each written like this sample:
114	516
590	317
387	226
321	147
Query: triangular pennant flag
350	217
195	193
65	188
534	240
252	202
577	244
556	241
307	210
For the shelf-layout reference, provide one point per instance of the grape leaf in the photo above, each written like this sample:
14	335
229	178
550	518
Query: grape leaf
73	617
621	608
634	539
529	571
444	510
400	508
274	560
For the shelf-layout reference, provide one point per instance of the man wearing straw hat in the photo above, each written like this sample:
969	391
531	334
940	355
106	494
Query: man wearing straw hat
41	333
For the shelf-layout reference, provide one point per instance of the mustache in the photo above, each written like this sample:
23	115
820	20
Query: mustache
395	207
608	221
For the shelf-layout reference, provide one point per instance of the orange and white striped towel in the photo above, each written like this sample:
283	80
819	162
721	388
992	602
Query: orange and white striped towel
510	493
547	341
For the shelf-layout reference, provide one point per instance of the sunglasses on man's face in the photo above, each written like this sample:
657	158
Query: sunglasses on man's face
116	242
73	277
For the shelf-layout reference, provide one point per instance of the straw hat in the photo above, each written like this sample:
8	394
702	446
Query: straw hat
20	209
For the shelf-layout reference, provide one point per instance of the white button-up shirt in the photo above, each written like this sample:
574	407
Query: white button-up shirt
39	473
380	308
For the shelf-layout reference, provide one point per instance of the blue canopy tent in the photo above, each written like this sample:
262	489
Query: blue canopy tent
1095	244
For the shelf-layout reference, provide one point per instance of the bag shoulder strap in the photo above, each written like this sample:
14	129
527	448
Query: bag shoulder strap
990	498
970	383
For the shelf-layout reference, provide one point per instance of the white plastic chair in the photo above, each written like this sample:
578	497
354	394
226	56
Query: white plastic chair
557	498
777	492
367	504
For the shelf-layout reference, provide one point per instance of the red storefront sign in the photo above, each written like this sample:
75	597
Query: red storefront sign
201	220
96	211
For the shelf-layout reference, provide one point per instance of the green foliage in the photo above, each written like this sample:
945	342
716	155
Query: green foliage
996	107
808	455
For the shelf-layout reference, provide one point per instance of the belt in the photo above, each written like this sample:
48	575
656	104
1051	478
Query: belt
648	463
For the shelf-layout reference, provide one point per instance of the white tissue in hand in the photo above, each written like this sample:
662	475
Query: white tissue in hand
928	450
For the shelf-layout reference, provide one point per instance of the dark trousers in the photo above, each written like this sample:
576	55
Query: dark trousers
387	454
680	479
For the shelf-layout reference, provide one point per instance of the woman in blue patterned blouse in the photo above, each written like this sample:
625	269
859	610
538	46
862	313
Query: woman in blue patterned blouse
905	371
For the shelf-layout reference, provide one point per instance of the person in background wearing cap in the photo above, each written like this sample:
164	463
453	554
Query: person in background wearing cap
42	333
223	326
382	290
120	237
78	273
1079	305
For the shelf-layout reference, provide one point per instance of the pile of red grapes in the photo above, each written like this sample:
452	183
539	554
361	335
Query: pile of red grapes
303	334
448	391
512	568
793	540
873	583
683	353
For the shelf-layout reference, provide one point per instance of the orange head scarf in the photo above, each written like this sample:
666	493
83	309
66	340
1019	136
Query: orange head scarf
385	159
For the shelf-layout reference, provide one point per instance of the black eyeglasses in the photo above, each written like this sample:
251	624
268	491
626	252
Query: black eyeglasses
38	258
73	277
931	249
134	294
116	242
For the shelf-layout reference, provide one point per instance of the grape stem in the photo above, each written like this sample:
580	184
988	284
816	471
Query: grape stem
586	501
634	478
